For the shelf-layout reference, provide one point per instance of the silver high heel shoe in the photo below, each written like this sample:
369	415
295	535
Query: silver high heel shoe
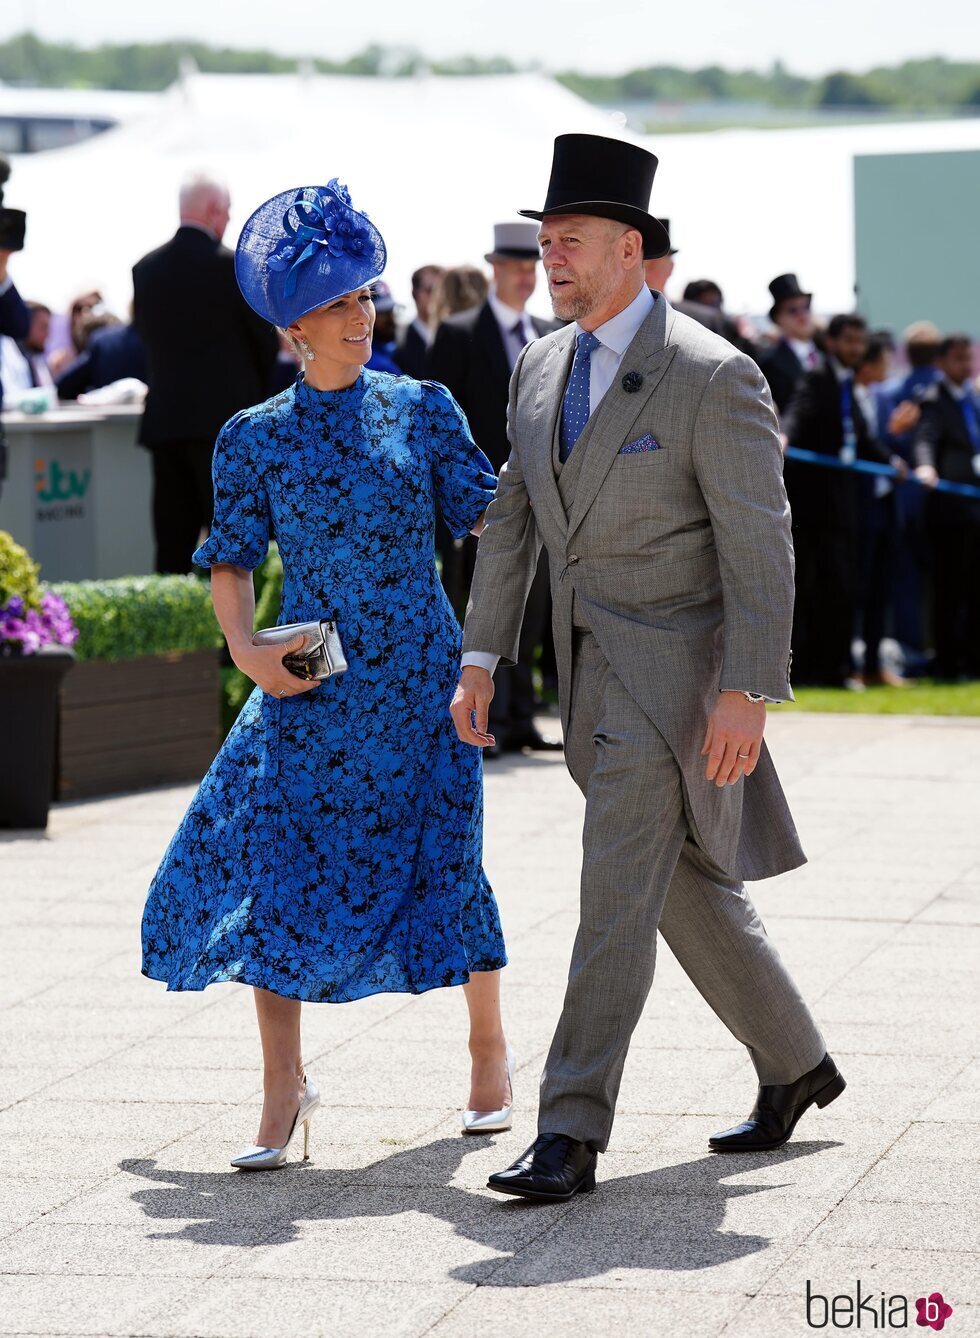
493	1121
257	1158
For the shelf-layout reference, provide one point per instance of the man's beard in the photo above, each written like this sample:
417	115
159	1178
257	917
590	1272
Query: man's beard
583	298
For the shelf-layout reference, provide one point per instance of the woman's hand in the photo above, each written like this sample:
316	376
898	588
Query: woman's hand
264	666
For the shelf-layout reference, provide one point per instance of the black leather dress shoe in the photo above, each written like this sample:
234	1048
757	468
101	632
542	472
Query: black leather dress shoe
554	1167
778	1108
515	741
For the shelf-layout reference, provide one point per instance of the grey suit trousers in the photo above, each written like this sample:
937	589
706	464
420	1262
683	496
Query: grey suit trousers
643	870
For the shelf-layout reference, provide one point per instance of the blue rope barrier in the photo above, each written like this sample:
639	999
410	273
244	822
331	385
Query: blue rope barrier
883	471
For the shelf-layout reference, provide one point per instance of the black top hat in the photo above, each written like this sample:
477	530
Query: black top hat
609	178
665	224
783	287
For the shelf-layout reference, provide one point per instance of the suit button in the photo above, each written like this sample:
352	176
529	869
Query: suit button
572	558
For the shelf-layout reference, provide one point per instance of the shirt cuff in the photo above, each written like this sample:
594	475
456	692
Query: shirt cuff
483	659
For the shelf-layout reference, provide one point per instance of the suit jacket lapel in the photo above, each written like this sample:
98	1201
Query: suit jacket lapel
488	332
650	355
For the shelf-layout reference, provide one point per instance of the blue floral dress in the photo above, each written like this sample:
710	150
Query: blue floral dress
334	848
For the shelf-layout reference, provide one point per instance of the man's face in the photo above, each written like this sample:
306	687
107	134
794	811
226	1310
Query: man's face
582	261
849	347
873	373
37	335
422	295
515	281
794	319
957	364
657	272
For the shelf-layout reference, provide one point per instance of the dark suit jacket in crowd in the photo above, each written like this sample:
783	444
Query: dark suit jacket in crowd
716	320
469	357
411	353
15	320
941	440
825	498
784	372
208	354
112	354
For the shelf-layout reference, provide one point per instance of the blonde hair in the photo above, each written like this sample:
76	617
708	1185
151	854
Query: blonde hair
458	289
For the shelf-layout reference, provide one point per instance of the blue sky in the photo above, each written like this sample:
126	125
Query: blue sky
595	35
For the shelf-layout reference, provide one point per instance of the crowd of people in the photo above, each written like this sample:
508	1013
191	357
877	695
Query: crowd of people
883	559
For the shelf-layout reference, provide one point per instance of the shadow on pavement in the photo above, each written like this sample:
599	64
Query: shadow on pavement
669	1219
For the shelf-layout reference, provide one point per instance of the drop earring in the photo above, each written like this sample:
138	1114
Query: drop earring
306	349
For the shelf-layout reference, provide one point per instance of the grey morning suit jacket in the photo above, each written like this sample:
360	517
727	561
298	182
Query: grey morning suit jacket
680	558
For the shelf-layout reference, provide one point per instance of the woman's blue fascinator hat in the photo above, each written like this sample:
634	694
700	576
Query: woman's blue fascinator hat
302	249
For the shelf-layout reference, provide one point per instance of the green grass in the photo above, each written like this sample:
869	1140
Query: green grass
922	697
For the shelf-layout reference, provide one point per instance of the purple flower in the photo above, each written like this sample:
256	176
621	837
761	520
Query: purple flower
32	629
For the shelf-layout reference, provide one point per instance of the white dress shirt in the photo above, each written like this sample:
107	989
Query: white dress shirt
806	351
424	332
507	317
20	371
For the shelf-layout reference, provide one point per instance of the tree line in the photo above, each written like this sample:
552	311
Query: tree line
926	85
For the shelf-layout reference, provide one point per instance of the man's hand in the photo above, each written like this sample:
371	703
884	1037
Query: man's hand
904	417
926	474
733	739
471	706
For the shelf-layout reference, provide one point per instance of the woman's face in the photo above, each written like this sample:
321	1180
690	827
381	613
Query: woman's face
340	331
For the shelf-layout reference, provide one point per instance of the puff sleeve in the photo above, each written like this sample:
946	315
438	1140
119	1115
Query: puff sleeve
241	527
462	475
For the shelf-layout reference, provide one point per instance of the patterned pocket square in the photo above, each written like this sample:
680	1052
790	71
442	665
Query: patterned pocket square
646	443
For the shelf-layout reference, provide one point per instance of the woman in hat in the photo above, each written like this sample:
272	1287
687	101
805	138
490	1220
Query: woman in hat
334	848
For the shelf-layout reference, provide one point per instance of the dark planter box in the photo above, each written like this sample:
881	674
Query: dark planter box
129	724
28	719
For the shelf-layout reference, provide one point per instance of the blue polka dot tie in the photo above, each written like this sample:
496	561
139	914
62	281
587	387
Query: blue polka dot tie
575	405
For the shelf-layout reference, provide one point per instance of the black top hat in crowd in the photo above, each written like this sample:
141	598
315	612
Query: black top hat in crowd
665	224
783	287
609	178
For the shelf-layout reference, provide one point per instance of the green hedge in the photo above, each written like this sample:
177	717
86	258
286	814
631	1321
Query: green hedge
140	615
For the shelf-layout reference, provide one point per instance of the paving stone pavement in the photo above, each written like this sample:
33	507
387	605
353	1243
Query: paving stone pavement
120	1103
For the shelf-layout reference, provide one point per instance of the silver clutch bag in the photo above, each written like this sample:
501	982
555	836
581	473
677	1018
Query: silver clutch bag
321	654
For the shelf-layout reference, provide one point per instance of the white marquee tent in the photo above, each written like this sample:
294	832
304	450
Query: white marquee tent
436	161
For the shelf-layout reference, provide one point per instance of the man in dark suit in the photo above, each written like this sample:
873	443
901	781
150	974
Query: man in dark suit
702	300
208	355
825	416
114	353
15	321
413	349
796	353
474	353
947	446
